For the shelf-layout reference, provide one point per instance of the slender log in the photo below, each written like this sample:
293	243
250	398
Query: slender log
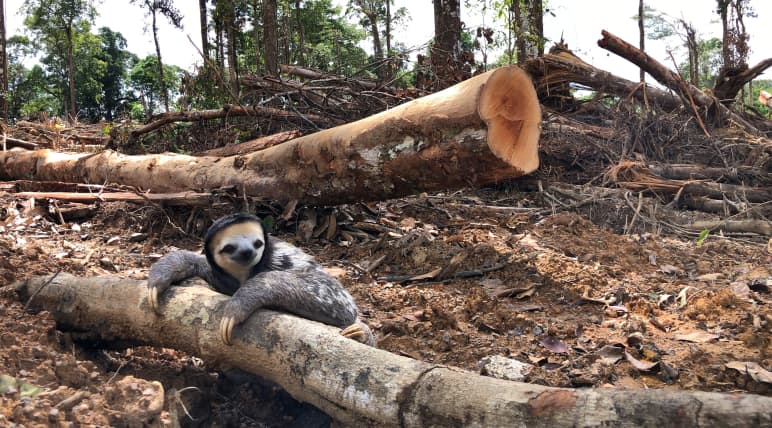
672	80
480	131
565	67
15	142
230	111
252	145
739	174
359	385
170	199
762	227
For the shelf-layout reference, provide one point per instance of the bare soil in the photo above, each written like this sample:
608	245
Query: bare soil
445	278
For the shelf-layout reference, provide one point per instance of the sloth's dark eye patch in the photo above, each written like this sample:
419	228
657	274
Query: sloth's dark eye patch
258	244
228	249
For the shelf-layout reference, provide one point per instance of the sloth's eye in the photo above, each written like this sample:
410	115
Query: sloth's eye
258	244
228	249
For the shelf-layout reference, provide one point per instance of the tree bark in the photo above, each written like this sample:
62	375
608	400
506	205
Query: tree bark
71	73
641	37
247	147
204	23
359	385
170	199
446	61
270	37
162	80
3	65
483	130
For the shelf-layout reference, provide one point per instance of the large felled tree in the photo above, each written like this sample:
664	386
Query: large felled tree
53	24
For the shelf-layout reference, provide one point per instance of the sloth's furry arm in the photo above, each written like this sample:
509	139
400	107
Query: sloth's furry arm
175	267
309	293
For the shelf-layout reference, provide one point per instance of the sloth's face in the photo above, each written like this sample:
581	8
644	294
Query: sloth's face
238	247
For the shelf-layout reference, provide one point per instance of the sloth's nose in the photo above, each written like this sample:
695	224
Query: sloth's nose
245	255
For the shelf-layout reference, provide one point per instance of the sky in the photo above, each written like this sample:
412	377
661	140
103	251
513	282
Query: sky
579	23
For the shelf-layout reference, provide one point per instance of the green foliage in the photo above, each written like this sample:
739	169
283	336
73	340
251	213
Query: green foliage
144	83
758	86
703	236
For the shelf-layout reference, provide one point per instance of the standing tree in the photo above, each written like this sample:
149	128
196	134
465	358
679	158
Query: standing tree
370	12
204	28
3	64
270	37
167	9
447	60
53	22
529	28
641	36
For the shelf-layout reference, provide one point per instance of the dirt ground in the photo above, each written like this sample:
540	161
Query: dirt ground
448	278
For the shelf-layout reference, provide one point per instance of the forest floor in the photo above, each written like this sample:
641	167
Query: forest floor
447	278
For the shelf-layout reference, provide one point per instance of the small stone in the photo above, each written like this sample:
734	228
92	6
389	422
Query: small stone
505	368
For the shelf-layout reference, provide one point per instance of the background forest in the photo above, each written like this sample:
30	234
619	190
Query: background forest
62	65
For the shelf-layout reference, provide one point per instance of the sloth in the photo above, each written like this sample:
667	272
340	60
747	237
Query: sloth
259	271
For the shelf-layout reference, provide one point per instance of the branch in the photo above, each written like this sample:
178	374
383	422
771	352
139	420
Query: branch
671	80
362	386
193	116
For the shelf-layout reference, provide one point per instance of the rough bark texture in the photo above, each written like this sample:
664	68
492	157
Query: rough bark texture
252	145
270	37
446	61
363	386
480	131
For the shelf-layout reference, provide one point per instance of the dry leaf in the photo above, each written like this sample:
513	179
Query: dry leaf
670	269
643	366
427	275
610	354
554	345
696	337
754	370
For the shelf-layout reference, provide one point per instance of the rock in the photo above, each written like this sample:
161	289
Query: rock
504	368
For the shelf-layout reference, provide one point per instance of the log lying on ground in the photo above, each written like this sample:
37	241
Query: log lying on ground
364	386
563	67
169	199
690	94
480	131
252	145
230	111
359	385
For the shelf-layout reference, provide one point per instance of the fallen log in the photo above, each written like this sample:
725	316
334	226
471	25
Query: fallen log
229	111
480	131
562	67
691	95
761	227
15	142
169	199
359	385
252	145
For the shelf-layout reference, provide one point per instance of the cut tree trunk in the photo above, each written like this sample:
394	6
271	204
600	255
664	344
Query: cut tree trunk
359	385
480	131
